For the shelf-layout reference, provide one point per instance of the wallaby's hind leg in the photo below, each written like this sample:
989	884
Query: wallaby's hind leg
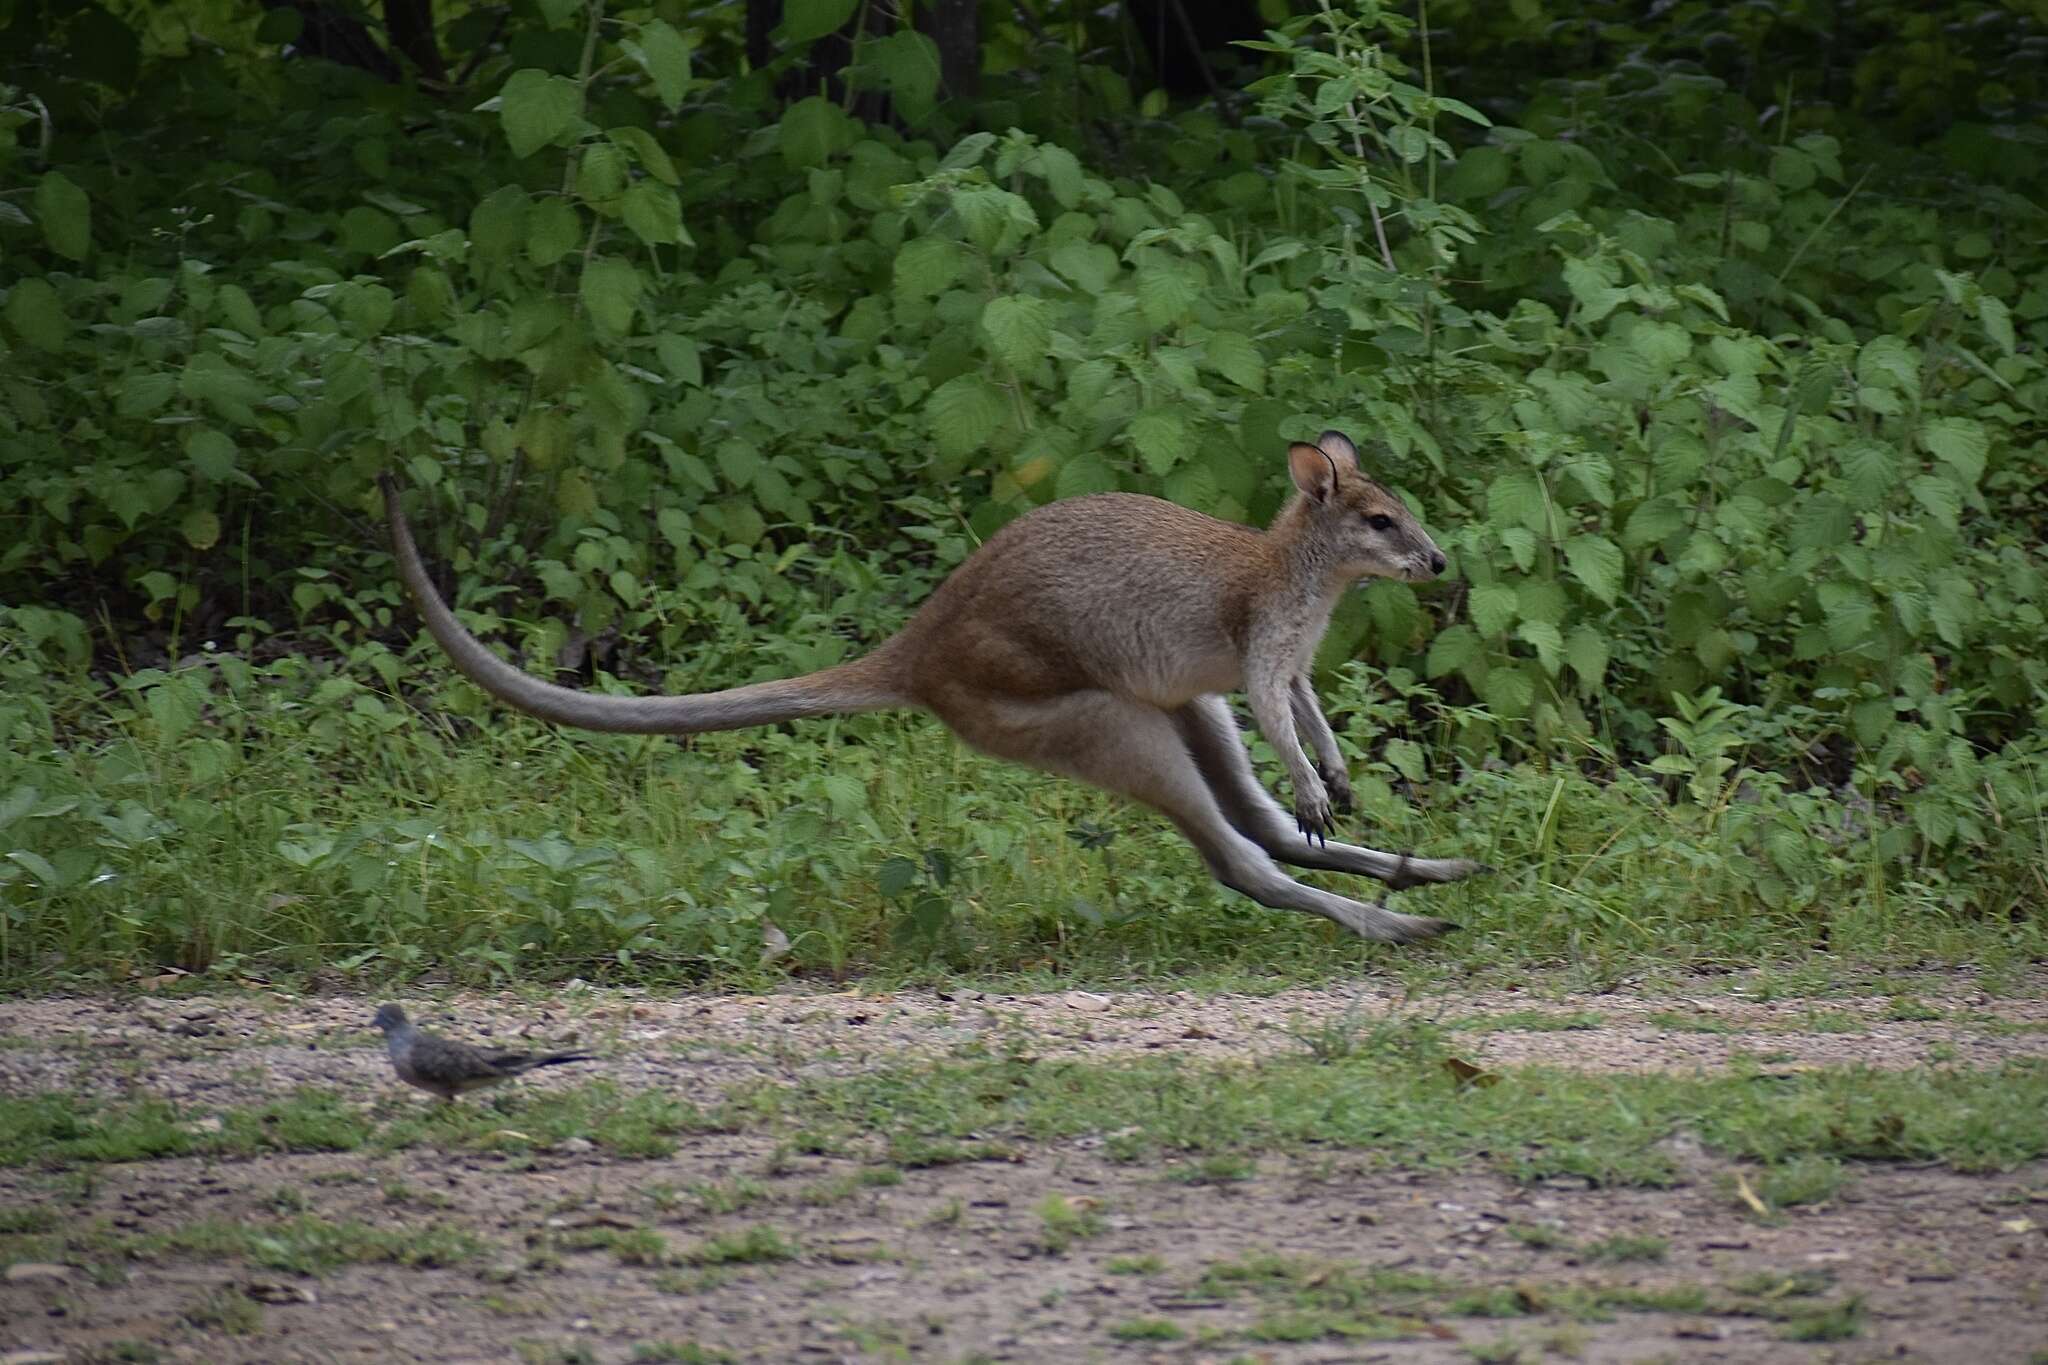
1211	735
1137	751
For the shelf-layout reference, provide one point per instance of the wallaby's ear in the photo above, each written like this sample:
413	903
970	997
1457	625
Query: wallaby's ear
1313	471
1338	447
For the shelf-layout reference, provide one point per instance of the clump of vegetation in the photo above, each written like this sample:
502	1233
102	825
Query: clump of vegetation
1716	365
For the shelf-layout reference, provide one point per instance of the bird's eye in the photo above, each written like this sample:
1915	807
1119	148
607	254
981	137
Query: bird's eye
1380	521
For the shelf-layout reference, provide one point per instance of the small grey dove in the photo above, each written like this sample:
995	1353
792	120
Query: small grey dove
445	1067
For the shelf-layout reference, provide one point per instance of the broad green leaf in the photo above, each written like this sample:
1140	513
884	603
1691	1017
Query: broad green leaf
498	223
653	158
806	21
964	413
1161	439
553	231
653	213
1090	266
926	266
1087	473
1586	651
1492	608
811	130
36	313
1849	614
1167	288
1062	172
1822	523
1234	356
212	454
1653	521
1997	320
1889	362
1508	691
537	108
679	356
1871	470
66	215
601	172
1596	562
666	58
1547	641
214	380
1959	442
1018	329
201	529
1520	543
1516	497
1940	497
1480	173
611	292
909	62
1453	648
1596	298
141	392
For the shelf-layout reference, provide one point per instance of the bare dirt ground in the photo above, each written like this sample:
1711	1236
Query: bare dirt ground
954	1263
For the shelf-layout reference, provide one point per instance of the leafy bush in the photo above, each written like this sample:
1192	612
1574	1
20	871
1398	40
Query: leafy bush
1725	397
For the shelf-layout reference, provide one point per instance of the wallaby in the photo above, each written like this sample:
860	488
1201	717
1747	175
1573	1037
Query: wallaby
1094	637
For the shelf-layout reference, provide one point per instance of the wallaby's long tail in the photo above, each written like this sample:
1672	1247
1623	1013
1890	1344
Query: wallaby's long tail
865	684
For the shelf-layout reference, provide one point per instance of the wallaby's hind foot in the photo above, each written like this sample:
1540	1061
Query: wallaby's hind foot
1411	872
1381	925
1211	736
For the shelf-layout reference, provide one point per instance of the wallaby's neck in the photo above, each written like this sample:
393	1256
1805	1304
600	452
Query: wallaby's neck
1303	556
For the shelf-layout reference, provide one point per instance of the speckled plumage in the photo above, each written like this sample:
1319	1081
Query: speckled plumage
445	1067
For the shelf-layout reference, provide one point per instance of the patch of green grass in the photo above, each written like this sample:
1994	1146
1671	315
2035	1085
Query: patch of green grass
1146	1329
1910	1009
1147	1264
1537	1236
313	1246
61	1127
1773	1285
1627	1247
756	1245
225	1310
1217	1168
1503	1350
728	1196
22	1219
1836	1322
1063	1222
1830	1021
329	815
1532	1122
1805	1179
1663	1298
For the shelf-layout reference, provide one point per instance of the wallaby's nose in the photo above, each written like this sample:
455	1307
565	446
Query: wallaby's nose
1437	562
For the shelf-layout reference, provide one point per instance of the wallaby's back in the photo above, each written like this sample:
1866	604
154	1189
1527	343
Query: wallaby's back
1117	591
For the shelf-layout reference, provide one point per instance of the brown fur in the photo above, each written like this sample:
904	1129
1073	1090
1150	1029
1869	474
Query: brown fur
1094	637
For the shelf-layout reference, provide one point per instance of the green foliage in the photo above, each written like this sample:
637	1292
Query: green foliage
1721	385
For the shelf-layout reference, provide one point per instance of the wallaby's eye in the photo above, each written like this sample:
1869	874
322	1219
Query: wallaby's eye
1380	521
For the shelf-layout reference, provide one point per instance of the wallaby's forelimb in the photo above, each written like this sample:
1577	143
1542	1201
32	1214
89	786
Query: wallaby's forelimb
1218	750
1322	742
865	684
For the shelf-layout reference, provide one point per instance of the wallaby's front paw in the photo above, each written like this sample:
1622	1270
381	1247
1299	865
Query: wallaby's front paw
1312	814
1339	784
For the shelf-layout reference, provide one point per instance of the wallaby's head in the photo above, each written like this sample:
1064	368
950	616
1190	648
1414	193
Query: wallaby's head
1360	525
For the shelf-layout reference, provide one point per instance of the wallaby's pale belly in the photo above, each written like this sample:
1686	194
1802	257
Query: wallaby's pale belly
1116	591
